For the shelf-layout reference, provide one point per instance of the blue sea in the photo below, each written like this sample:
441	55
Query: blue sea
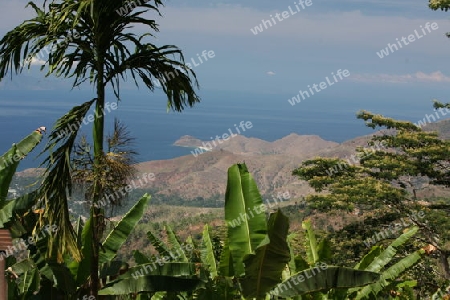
329	115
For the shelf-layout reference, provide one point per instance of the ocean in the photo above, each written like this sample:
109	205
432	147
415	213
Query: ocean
329	115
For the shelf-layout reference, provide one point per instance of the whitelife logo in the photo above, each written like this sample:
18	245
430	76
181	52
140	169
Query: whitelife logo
430	118
71	128
167	76
265	24
411	38
129	6
319	87
225	137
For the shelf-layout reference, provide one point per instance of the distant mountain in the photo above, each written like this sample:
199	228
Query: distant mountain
242	145
441	127
271	163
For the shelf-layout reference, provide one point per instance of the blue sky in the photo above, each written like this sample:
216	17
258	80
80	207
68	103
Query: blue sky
302	49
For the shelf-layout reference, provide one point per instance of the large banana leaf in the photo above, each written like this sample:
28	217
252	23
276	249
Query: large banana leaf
263	269
369	258
81	270
244	215
63	277
341	294
176	248
29	283
23	266
159	245
140	258
323	278
10	160
226	261
376	259
207	253
390	274
112	268
291	264
23	204
386	256
312	253
324	250
153	277
120	233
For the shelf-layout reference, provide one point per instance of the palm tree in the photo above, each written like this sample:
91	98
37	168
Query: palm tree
91	40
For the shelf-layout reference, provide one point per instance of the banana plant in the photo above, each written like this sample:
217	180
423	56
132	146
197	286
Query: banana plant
17	214
212	286
312	278
9	162
257	253
14	213
48	278
346	286
378	258
176	264
171	273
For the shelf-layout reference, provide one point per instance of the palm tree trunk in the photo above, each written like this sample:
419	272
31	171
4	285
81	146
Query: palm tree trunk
97	212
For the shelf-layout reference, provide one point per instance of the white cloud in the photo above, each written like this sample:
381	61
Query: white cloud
37	62
270	73
434	77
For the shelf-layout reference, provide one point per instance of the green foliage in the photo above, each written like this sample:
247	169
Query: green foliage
346	191
15	212
378	258
390	274
439	4
71	278
243	205
11	159
323	278
384	187
170	277
263	268
175	244
382	176
207	253
119	234
311	244
57	184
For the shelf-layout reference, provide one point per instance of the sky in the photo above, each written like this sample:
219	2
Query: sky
302	49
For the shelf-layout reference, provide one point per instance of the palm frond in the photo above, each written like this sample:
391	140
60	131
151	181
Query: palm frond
57	185
150	63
